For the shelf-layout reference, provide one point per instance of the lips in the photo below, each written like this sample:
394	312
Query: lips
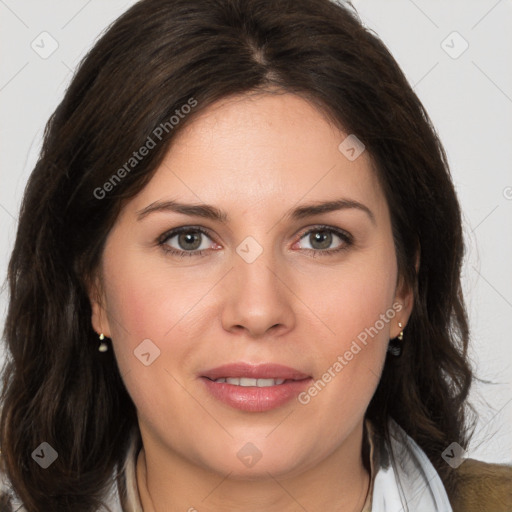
260	371
255	388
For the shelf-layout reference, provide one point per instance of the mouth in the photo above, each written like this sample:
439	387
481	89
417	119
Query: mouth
255	388
248	382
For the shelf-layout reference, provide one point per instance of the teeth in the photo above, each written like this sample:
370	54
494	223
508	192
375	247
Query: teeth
247	382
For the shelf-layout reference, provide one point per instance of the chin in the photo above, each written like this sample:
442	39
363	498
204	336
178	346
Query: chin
245	461
262	470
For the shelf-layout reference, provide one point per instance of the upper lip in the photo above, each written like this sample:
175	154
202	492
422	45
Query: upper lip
255	371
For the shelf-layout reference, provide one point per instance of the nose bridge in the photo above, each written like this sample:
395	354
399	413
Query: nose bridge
257	299
259	262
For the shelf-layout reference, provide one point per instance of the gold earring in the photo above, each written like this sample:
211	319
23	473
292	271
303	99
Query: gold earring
103	346
401	335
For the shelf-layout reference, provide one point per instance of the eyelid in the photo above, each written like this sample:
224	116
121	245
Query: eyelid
176	231
324	227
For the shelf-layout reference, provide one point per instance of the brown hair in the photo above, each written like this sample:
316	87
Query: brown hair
161	53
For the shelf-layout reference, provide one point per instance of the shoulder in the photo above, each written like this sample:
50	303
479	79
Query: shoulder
481	486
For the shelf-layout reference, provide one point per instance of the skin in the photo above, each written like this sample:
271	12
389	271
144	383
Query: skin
255	157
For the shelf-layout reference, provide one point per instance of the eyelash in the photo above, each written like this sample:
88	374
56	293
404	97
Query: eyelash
343	235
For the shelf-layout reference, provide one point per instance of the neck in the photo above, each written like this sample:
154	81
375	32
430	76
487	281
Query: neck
168	483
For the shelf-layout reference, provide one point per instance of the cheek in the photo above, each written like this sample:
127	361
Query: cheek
147	302
351	300
358	309
147	314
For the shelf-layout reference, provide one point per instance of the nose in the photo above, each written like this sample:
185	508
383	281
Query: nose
258	299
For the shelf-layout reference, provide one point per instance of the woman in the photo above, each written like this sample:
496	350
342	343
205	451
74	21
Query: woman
246	203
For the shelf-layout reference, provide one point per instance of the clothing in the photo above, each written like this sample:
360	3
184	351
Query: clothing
412	485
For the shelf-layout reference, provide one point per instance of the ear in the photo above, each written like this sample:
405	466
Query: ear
404	296
99	318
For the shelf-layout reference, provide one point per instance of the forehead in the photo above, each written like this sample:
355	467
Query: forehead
264	150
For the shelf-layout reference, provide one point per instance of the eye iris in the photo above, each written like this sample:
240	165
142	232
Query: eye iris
193	238
322	238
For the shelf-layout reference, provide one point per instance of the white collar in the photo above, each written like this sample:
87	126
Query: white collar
412	484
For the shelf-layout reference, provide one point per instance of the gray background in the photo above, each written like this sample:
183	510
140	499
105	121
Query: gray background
467	92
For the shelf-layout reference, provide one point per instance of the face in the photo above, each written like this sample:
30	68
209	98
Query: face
225	267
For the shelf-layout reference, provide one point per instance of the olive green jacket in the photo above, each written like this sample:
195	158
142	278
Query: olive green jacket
482	487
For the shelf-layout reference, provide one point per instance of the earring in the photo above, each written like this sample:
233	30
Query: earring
103	345
401	335
395	345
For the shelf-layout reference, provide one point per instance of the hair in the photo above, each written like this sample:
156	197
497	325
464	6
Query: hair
157	57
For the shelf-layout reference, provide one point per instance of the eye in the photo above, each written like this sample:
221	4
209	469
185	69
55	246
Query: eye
322	238
186	241
195	241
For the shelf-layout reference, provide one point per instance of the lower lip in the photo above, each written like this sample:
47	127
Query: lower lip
254	399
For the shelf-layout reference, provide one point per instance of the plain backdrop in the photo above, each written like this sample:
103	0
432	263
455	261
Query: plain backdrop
456	55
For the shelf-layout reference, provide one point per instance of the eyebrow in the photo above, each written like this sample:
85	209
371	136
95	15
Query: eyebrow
207	211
